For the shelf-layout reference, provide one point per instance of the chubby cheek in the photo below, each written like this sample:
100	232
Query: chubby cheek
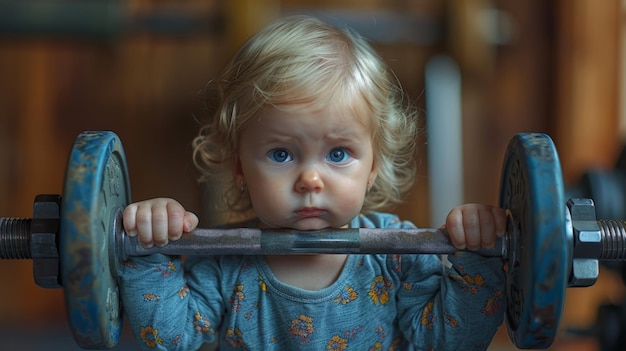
267	193
349	199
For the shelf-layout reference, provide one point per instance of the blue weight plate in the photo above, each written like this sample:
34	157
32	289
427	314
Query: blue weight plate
96	189
537	251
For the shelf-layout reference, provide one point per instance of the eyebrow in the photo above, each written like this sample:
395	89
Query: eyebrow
342	136
274	138
334	136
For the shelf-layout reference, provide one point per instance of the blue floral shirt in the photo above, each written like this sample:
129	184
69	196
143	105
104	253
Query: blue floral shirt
378	302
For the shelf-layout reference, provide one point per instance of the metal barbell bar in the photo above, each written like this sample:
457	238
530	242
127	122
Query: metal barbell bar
77	240
16	241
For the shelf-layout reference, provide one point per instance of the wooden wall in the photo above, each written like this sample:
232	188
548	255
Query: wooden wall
142	84
558	72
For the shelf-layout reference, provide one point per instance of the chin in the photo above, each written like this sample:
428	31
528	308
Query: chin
317	224
311	224
304	224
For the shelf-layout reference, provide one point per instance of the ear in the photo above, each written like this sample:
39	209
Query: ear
238	172
373	174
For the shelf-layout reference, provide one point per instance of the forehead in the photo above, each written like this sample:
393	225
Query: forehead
338	119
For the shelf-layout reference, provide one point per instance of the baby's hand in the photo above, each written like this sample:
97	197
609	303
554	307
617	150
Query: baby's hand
473	226
157	221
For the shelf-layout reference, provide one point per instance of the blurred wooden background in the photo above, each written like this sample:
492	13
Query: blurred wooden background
137	67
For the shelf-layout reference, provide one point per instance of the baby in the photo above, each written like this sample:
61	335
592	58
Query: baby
311	132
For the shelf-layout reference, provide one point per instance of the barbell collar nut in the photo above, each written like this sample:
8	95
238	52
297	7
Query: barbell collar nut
586	231
585	272
582	209
587	243
44	236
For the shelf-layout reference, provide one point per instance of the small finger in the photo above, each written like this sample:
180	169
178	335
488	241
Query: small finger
471	224
499	216
487	228
160	226
175	218
130	224
454	226
143	220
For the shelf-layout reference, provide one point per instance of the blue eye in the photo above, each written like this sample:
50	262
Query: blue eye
338	155
279	155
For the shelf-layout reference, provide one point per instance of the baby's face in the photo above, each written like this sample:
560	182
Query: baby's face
306	168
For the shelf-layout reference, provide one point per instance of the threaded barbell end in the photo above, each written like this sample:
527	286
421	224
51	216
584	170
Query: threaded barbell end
15	238
613	240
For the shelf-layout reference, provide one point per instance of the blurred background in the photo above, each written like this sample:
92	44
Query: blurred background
138	67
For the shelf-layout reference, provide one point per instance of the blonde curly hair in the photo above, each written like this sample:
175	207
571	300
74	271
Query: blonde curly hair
302	60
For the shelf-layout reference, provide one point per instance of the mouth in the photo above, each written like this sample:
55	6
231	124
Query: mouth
310	212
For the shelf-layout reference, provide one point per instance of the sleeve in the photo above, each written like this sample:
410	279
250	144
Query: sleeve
163	312
456	307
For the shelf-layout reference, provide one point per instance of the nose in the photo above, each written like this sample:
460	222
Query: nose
309	181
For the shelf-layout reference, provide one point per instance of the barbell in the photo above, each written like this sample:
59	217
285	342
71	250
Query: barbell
77	241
